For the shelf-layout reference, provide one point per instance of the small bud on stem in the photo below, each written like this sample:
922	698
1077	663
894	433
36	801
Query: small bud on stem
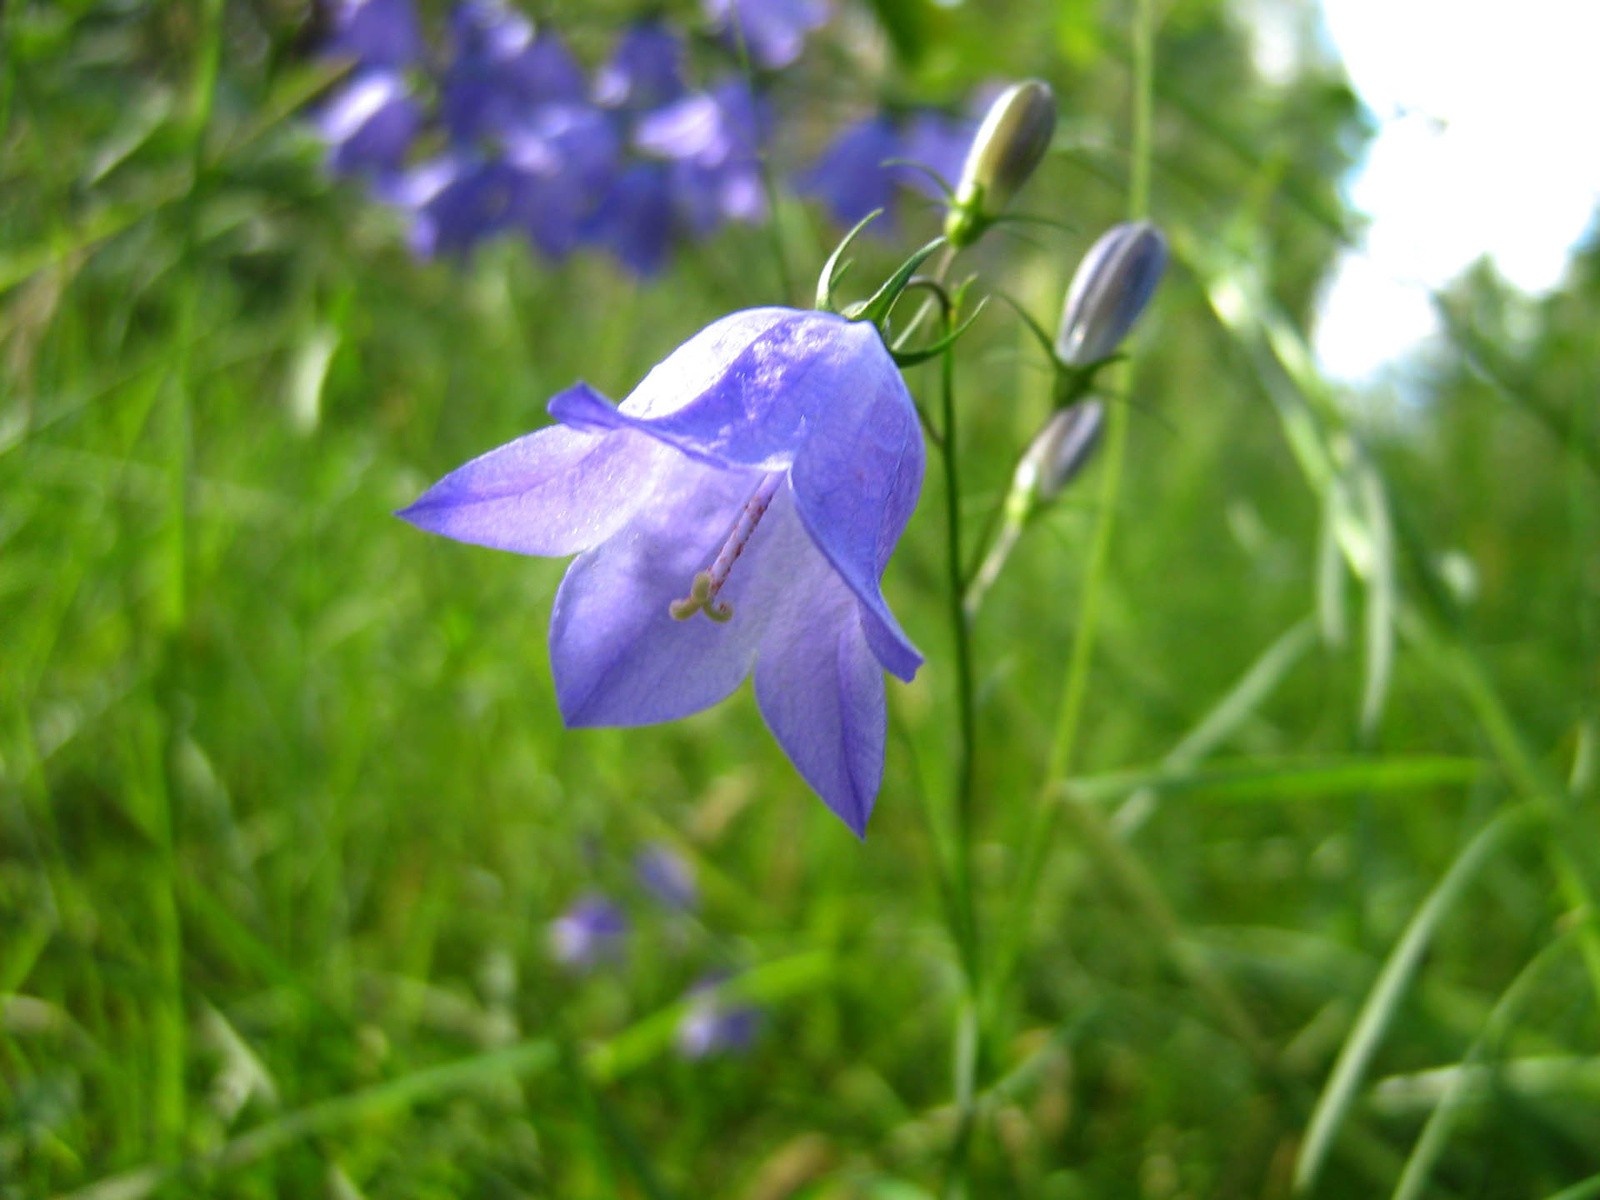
1114	283
1009	144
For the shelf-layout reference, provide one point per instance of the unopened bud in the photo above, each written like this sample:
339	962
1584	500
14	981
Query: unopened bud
1059	451
1114	283
1009	144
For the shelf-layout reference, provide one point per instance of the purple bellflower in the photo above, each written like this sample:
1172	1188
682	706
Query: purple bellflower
667	876
376	33
713	141
645	70
456	201
369	122
634	218
868	162
733	515
853	176
774	31
715	1026
588	933
938	143
502	71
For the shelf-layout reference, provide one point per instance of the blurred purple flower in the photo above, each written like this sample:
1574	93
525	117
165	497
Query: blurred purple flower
565	157
502	71
712	1025
376	33
369	121
456	201
852	177
634	219
645	70
713	140
868	162
761	476
774	31
938	142
667	876
588	933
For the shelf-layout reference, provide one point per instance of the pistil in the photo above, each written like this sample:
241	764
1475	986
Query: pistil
703	590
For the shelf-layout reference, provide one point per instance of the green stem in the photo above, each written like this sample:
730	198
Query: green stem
1075	685
966	931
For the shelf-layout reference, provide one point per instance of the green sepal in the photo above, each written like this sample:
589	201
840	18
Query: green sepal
833	269
910	358
876	309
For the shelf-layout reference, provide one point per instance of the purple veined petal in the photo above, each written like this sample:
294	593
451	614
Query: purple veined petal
554	492
774	31
369	122
739	392
820	690
774	389
376	33
618	655
856	481
851	178
645	70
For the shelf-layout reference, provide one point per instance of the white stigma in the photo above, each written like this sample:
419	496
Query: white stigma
703	590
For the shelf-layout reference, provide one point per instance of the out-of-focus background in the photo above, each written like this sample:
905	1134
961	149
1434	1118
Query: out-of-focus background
304	890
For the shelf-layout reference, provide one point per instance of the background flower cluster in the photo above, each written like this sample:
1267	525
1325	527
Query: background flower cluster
506	132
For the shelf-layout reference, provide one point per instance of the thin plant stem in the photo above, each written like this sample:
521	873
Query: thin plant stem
967	1037
1075	683
769	183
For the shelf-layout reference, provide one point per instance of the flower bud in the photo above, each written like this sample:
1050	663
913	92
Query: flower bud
1009	144
1114	283
1059	451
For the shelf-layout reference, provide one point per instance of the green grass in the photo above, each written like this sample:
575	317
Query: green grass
286	806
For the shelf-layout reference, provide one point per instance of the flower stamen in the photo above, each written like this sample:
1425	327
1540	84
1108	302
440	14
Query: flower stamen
703	590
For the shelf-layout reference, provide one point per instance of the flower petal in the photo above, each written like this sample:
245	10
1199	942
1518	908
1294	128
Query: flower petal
618	655
556	491
857	480
820	689
741	392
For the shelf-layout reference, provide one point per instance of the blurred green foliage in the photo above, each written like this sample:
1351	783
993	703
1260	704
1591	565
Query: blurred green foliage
286	807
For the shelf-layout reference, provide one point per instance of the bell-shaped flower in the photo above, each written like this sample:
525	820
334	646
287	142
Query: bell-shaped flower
667	876
1111	288
733	515
645	70
375	33
590	932
935	144
501	71
634	219
773	31
712	1025
455	201
369	122
713	141
855	173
